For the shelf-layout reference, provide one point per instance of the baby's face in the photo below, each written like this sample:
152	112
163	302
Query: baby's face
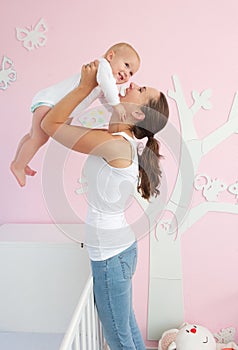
124	64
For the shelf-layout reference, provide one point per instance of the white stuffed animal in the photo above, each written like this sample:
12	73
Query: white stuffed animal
191	337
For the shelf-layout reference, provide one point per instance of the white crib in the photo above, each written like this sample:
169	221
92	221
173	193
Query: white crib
85	330
47	292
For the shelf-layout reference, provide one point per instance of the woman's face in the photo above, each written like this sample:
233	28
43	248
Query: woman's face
139	95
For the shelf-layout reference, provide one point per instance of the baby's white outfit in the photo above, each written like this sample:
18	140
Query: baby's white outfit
107	91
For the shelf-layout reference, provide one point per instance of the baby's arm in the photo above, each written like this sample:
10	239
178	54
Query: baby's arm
109	88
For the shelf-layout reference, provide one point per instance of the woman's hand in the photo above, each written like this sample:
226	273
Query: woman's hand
88	75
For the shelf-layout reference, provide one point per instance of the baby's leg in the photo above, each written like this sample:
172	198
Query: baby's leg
29	145
28	170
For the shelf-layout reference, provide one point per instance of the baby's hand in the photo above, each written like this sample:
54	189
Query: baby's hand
120	110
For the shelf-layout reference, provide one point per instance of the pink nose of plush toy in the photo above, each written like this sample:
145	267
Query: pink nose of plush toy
193	330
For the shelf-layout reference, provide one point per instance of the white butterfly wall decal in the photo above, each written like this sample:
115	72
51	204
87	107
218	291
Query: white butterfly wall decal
33	37
7	73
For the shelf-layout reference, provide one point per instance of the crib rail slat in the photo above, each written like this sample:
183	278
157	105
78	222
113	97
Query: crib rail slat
83	342
93	327
88	325
76	345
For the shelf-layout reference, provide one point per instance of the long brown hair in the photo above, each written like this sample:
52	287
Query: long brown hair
156	116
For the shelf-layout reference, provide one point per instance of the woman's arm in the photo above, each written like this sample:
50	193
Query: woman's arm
78	138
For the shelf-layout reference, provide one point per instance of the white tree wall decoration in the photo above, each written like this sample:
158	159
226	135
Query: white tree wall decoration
165	292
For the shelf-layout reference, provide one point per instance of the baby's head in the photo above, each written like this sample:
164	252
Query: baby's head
124	61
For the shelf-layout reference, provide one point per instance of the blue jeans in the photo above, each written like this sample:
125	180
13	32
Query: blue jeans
113	297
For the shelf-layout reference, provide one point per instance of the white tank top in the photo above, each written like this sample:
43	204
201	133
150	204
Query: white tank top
109	192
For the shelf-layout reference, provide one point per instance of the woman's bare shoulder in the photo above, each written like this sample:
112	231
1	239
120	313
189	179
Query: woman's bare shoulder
102	143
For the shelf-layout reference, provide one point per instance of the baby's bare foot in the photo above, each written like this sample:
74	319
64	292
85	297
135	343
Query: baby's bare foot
19	174
29	171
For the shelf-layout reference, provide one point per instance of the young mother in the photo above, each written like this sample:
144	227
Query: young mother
113	170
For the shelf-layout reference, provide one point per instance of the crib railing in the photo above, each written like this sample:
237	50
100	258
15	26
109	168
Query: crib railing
85	330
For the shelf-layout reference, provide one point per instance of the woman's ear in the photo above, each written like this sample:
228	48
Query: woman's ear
110	55
138	115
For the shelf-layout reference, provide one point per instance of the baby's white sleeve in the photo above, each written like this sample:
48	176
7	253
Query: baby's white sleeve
107	83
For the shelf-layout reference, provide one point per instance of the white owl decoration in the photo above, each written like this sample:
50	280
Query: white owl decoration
7	73
33	37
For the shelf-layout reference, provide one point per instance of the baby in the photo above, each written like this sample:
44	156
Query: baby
118	64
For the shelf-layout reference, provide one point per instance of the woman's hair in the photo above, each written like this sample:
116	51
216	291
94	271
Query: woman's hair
156	116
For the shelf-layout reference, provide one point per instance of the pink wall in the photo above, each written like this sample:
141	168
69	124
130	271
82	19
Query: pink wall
195	40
